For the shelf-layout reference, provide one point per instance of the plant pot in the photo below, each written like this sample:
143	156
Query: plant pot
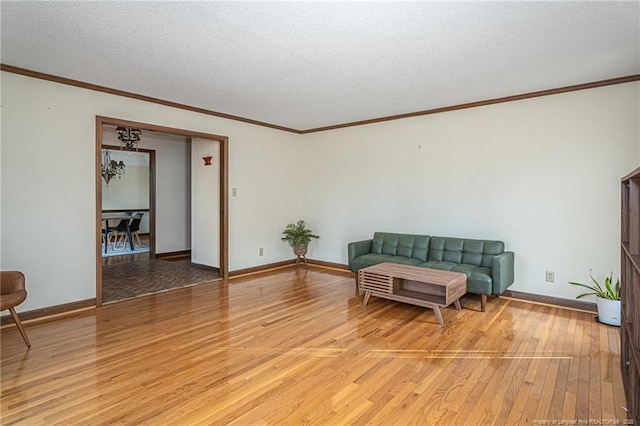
608	311
300	250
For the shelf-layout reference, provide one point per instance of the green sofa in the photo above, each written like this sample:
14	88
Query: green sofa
489	268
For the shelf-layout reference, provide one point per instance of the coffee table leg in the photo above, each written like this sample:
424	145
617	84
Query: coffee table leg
367	295
436	310
457	304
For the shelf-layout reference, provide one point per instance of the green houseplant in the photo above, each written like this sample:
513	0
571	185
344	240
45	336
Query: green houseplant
607	298
298	236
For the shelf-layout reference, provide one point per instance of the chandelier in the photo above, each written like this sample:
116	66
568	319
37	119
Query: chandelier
129	137
111	168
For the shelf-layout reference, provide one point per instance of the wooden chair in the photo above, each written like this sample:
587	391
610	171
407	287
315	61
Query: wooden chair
13	293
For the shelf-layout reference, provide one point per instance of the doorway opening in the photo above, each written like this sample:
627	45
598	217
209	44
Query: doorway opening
128	198
164	229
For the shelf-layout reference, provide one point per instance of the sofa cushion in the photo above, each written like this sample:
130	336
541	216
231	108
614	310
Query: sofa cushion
405	245
370	259
458	250
478	277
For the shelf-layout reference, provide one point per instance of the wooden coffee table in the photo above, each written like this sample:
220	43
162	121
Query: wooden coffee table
431	288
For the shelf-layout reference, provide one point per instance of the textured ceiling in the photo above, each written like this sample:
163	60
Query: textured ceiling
305	65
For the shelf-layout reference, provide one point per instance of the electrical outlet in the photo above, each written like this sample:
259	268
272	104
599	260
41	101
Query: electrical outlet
549	276
234	192
261	251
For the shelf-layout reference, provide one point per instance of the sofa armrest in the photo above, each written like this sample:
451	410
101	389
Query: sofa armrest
502	272
357	248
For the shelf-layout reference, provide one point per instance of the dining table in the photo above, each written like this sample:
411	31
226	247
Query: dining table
106	217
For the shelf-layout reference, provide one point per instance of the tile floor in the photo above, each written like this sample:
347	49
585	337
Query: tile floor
128	276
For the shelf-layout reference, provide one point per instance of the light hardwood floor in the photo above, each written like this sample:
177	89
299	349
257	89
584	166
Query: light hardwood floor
299	348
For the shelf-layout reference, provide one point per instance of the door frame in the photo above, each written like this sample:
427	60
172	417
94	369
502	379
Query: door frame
223	190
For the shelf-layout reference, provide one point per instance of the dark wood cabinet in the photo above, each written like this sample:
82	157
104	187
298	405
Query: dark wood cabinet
630	279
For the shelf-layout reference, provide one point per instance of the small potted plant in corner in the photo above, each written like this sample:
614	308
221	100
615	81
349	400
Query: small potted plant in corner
298	236
607	299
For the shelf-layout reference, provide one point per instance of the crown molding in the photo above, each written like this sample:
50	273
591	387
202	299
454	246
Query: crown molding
117	92
529	95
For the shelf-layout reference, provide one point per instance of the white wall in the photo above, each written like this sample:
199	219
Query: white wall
48	178
267	175
128	191
173	191
205	203
541	174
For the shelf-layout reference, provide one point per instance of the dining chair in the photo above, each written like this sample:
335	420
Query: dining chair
134	227
121	228
12	293
104	240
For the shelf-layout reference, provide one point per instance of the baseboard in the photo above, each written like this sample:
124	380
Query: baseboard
550	300
68	308
262	268
286	263
206	267
530	297
65	308
173	255
332	265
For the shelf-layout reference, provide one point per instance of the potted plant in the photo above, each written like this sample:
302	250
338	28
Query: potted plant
607	298
298	236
